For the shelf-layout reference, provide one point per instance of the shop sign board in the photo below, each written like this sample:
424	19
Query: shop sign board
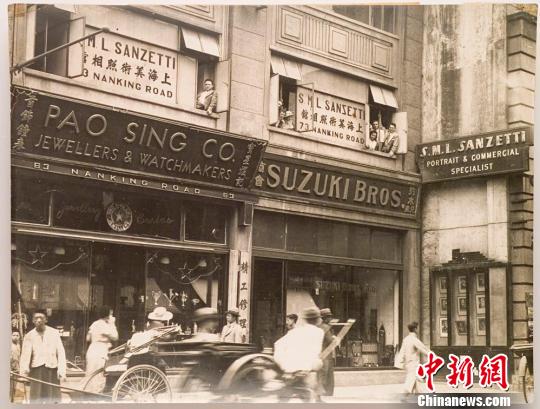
500	152
73	132
131	68
330	119
337	187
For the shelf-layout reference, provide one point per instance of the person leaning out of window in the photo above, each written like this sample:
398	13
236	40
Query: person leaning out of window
390	141
207	99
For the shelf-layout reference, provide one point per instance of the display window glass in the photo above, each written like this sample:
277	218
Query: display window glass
53	275
460	308
183	282
370	296
29	201
116	212
205	223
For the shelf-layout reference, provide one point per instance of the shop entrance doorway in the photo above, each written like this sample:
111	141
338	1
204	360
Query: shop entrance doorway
118	280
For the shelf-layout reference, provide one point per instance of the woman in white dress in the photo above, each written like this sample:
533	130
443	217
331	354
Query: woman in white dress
101	335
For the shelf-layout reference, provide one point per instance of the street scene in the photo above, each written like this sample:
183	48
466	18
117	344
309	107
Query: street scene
272	203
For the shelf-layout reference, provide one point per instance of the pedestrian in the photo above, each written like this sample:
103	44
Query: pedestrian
14	360
410	352
232	331
43	358
207	322
298	351
290	321
101	335
326	374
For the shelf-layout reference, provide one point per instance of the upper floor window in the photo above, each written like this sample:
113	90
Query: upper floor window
52	30
381	17
182	70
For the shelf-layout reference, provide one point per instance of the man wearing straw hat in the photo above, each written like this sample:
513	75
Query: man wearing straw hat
156	319
232	331
298	351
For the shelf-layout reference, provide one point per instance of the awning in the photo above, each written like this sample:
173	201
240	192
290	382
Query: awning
383	96
200	42
286	68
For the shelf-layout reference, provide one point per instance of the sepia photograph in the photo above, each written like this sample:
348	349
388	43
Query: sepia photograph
269	203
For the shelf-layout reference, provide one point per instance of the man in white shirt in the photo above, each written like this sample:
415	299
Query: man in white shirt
43	357
299	350
412	348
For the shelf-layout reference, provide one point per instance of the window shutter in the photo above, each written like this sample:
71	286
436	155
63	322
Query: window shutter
187	81
273	112
400	119
222	81
75	52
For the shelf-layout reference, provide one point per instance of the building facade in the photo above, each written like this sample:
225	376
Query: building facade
477	270
136	186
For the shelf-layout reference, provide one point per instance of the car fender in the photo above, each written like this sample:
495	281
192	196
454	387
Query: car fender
228	376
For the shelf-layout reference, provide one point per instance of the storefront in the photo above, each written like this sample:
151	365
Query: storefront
112	208
307	255
476	282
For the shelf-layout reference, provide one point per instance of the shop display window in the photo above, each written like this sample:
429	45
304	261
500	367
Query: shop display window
117	212
183	282
272	235
205	223
460	312
29	202
371	296
299	234
52	274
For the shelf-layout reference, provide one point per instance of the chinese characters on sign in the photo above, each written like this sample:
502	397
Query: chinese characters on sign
491	371
333	186
331	119
59	128
131	68
500	152
243	292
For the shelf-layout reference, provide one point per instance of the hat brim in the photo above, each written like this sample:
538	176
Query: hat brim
235	313
165	317
206	317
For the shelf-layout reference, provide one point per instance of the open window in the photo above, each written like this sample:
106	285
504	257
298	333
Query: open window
202	50
286	76
384	121
54	27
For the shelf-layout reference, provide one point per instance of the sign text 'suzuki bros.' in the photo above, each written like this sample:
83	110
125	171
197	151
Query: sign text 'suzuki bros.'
504	151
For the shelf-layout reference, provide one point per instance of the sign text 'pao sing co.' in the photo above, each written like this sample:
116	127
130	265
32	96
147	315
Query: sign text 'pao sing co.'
500	152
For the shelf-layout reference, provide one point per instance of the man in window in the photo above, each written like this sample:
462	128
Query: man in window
207	99
390	142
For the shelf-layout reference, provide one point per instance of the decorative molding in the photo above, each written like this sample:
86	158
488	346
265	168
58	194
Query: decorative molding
312	32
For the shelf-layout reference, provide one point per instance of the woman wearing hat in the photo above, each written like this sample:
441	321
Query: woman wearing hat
232	331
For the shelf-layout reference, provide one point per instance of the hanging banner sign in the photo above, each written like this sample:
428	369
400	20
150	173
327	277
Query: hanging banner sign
130	67
330	119
73	132
500	152
338	187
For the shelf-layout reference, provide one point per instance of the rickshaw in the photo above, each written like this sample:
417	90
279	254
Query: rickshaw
170	365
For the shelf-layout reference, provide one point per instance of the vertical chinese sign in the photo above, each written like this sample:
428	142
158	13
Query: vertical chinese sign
244	285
